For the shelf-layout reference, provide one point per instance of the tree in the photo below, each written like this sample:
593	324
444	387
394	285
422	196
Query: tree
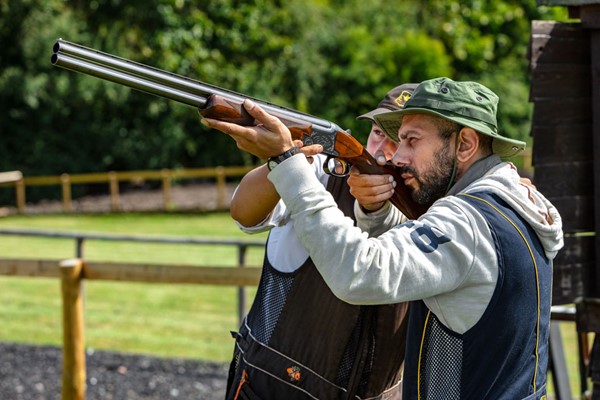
488	41
331	58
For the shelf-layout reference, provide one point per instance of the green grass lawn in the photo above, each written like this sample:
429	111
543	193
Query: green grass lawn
190	321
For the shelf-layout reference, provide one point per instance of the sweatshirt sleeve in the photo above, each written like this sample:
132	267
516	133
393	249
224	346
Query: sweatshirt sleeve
401	264
280	215
377	222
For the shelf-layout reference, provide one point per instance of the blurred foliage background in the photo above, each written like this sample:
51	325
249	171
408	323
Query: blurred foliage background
331	58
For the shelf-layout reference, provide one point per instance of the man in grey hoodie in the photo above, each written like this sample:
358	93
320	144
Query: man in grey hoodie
477	265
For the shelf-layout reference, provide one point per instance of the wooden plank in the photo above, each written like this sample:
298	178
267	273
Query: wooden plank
561	111
569	282
20	195
10	176
561	143
41	180
587	316
104	177
558	43
573	274
564	179
590	15
153	273
73	371
573	3
595	50
31	268
575	212
578	249
213	172
557	29
157	273
558	81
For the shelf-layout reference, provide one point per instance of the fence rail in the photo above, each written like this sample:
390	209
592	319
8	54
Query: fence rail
28	267
72	273
80	239
136	272
113	178
216	273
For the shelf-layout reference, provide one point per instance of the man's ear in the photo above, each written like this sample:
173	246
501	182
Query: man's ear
468	144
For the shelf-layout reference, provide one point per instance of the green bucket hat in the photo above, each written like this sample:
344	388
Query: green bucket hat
467	103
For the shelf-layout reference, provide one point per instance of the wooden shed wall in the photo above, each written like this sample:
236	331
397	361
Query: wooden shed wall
561	92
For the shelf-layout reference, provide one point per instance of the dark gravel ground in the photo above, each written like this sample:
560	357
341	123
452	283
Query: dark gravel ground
34	373
184	198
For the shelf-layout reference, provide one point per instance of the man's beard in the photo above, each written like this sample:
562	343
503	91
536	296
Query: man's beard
434	181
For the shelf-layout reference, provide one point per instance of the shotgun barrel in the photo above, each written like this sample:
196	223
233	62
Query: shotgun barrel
78	58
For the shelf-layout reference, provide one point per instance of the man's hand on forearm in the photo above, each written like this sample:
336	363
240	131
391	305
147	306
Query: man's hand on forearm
267	139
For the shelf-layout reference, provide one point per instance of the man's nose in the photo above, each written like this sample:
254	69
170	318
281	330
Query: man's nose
400	157
386	150
389	148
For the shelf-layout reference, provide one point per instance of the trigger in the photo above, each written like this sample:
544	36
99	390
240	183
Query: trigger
336	167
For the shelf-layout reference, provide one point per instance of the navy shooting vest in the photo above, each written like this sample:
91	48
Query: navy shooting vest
505	354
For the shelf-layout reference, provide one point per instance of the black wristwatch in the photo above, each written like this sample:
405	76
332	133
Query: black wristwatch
272	162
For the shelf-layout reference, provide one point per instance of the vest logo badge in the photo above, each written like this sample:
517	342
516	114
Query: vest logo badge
294	374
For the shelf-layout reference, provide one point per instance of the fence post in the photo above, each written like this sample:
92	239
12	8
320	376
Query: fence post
241	289
65	181
79	247
220	172
73	373
20	192
114	191
166	187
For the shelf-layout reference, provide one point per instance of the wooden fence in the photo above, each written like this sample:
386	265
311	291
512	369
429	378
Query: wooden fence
165	176
72	272
113	178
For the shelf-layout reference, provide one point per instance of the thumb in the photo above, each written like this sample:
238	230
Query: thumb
380	157
270	122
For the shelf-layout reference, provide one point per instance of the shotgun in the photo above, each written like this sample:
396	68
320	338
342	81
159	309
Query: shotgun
226	105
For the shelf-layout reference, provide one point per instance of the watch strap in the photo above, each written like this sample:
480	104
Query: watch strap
272	162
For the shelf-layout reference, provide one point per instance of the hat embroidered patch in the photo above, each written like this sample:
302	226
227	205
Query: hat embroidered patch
403	98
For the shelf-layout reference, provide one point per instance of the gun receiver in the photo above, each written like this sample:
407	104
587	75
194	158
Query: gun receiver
226	105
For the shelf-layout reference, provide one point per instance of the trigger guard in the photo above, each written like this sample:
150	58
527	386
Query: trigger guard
333	173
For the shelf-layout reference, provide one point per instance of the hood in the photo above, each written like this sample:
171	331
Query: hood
543	217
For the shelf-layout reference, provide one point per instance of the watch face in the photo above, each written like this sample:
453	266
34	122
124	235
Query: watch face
271	164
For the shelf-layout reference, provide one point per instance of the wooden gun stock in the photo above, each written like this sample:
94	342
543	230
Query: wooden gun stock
338	144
